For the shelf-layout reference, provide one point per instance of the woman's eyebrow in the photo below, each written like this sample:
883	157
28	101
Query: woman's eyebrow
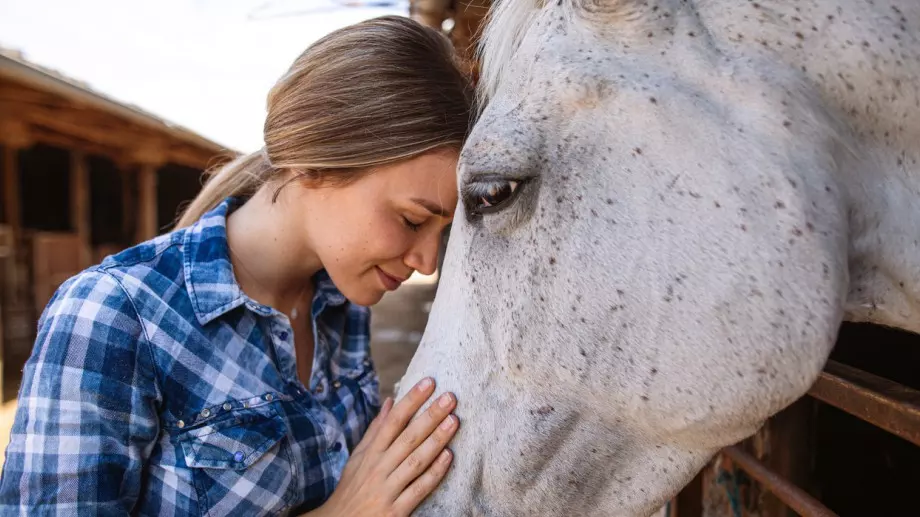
432	207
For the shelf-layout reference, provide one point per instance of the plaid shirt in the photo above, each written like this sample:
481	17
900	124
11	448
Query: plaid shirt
157	387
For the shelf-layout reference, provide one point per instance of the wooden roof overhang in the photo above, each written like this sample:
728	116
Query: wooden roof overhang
38	105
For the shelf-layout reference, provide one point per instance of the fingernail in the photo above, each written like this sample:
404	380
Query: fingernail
448	422
445	455
425	384
444	400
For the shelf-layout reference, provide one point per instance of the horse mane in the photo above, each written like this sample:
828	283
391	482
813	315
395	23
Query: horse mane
504	29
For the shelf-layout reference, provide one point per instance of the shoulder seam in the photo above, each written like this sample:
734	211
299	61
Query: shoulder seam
140	321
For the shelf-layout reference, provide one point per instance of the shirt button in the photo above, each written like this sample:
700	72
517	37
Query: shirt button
336	384
238	457
227	406
269	397
180	424
205	413
319	388
283	335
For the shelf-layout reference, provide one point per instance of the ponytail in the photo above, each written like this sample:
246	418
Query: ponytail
241	177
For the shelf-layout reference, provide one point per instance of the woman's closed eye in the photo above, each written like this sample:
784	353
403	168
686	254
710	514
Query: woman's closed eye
412	225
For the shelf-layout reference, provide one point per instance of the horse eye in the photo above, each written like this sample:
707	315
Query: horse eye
489	196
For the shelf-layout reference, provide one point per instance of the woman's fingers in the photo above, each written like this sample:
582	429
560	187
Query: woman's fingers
422	457
418	431
413	495
402	412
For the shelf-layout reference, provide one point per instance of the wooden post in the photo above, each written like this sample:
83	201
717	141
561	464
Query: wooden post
15	137
80	205
149	158
147	227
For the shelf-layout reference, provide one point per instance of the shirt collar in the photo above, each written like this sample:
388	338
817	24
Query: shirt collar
209	278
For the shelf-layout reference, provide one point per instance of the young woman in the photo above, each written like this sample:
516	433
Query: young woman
224	368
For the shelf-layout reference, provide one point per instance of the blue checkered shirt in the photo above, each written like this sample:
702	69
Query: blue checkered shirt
157	387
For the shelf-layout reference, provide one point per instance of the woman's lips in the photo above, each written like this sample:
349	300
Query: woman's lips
390	282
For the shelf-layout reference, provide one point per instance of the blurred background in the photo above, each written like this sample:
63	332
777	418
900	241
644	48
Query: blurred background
110	111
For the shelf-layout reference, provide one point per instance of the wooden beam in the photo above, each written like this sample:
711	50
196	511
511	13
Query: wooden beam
89	128
147	227
14	136
80	205
128	215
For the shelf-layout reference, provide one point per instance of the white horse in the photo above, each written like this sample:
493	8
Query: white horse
668	208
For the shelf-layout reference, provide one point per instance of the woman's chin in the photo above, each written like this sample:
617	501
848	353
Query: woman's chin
364	296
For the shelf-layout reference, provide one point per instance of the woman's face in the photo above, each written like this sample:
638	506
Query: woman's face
370	235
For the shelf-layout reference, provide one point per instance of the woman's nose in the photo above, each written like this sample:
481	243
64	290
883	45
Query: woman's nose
423	257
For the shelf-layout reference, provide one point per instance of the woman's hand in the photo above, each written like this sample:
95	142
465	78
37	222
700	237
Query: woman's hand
395	467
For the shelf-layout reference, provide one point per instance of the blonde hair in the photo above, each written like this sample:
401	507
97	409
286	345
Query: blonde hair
373	93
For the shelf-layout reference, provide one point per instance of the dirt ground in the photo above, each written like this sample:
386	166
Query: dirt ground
397	323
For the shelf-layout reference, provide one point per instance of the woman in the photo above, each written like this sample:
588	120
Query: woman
224	368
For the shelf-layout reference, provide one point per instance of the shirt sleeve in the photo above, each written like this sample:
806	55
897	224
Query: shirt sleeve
86	418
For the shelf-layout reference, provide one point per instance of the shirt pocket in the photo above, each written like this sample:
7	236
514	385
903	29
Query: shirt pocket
241	465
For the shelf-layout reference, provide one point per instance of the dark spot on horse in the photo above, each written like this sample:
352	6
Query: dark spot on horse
653	100
865	44
810	227
744	227
799	35
717	204
644	398
654	371
545	410
638	150
559	199
609	201
780	204
797	232
552	260
472	279
786	123
691	34
755	5
650	34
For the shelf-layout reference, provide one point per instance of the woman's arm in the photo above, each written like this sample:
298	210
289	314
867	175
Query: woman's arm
87	415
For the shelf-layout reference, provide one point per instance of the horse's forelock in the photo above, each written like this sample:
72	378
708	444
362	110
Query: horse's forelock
505	27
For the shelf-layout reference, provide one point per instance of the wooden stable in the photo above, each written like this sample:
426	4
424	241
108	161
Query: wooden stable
83	176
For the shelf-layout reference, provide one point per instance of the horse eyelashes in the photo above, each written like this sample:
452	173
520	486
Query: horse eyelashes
487	196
